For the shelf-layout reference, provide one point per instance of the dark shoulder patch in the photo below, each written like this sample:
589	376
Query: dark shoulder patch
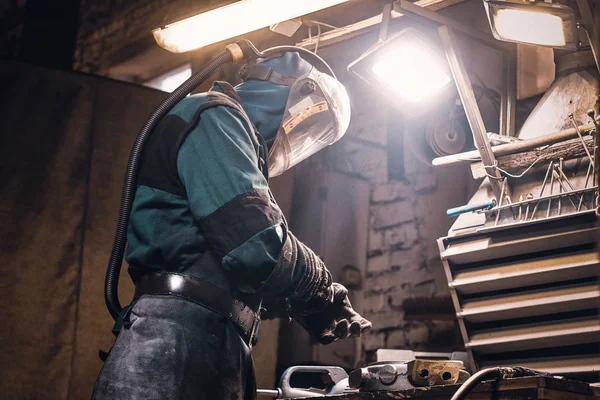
158	167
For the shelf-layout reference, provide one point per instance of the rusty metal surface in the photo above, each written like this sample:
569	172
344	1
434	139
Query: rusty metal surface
394	376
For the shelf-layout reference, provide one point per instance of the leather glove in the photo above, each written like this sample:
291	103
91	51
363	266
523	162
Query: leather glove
337	320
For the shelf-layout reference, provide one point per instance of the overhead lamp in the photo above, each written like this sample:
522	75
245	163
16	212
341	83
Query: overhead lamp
232	20
407	68
538	23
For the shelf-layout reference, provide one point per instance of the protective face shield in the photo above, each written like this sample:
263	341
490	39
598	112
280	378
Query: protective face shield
317	114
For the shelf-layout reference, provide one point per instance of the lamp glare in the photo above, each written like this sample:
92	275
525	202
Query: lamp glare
411	71
529	27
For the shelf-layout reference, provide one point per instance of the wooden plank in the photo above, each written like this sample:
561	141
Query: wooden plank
517	163
367	25
515	147
528	388
551	394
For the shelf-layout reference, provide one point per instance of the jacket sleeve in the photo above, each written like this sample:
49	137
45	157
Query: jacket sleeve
230	199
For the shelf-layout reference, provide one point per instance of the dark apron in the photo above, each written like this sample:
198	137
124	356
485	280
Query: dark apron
171	348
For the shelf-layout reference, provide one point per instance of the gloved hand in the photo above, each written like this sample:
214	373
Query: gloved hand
336	321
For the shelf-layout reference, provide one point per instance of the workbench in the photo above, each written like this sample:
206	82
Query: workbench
528	388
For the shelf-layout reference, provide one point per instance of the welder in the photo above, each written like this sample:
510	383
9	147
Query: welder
210	252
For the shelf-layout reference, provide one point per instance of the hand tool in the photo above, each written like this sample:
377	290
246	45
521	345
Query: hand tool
453	212
336	380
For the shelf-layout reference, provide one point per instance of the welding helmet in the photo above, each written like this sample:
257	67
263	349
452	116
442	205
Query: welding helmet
317	114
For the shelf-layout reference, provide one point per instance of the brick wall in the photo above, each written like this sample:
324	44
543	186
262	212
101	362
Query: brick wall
406	218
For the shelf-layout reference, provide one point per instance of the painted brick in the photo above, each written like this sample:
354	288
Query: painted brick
378	263
361	160
375	241
402	236
373	303
388	215
396	340
384	282
391	191
371	128
410	261
425	181
386	320
373	340
416	333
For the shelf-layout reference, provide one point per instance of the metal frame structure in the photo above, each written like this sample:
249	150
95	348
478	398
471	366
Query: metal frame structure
528	294
446	29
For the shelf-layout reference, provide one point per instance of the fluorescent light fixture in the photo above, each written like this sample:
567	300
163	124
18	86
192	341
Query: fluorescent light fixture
233	20
408	69
411	71
542	24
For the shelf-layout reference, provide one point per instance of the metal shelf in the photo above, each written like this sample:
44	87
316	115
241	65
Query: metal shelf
539	302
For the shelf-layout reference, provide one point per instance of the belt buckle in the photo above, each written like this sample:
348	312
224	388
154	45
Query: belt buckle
255	326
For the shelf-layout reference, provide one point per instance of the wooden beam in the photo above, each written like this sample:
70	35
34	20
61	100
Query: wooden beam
516	147
517	163
368	25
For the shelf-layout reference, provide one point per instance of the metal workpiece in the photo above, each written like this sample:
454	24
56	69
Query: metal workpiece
392	376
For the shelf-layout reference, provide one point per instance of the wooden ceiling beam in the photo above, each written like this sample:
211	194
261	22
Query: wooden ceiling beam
368	25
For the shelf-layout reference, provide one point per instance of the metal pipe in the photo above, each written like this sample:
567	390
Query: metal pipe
587	178
570	185
551	190
566	191
560	185
542	189
587	151
500	201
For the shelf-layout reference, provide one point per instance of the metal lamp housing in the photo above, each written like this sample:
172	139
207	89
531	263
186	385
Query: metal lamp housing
398	70
551	16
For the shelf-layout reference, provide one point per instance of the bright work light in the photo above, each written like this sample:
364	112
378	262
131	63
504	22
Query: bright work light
411	71
542	24
232	20
406	68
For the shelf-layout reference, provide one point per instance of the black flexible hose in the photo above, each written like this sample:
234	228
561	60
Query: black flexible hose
116	256
493	373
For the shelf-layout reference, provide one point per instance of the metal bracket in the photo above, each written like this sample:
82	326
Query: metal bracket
386	16
467	96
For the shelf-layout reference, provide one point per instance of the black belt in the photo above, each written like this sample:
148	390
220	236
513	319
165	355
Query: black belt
245	316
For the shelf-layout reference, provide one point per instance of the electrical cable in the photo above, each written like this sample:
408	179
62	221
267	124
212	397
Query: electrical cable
318	38
322	23
493	373
495	166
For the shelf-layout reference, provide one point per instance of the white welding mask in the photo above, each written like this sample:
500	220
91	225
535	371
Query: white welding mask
317	114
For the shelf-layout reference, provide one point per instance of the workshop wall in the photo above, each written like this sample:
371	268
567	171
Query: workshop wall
406	293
